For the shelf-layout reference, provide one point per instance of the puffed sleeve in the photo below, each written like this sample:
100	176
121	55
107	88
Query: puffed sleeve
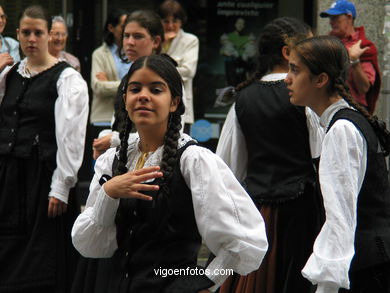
106	89
71	114
341	173
232	146
189	59
227	219
94	231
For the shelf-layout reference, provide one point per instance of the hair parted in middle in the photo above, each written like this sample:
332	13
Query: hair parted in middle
163	66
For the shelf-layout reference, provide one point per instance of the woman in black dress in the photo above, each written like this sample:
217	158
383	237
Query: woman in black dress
43	116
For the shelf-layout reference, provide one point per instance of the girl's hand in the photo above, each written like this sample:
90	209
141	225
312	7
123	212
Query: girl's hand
129	185
101	76
56	207
100	145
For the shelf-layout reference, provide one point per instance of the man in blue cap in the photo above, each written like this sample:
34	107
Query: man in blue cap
363	77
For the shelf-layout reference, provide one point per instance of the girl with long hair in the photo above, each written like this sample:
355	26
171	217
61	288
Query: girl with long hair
351	251
154	199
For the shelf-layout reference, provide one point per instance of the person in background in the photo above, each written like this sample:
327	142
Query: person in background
143	35
107	71
183	48
57	42
364	78
256	143
9	48
351	250
43	114
154	199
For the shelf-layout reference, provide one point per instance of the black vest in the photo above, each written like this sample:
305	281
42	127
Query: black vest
155	234
372	236
277	139
27	114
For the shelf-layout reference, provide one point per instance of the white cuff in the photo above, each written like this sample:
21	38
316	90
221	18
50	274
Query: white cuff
221	262
327	288
115	140
60	191
104	133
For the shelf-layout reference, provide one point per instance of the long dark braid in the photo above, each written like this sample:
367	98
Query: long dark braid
170	146
270	43
121	166
327	54
378	126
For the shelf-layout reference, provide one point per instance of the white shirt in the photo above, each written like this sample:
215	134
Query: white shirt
341	172
232	146
71	114
228	221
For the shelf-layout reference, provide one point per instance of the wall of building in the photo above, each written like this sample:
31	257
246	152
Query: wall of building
371	15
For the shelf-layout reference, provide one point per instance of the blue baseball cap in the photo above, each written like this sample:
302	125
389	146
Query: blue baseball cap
340	7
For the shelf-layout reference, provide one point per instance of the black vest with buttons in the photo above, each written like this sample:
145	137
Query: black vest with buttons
27	114
155	234
277	140
372	236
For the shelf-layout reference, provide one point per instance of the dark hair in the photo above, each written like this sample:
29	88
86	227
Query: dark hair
327	54
150	21
174	8
270	43
113	18
165	68
38	12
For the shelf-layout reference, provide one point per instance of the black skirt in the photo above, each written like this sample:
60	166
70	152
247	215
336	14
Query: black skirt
36	254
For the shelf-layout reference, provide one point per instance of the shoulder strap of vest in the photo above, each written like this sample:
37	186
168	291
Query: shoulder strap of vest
360	122
184	147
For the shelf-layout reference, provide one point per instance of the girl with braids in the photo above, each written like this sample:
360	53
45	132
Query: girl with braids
143	35
152	201
265	142
352	249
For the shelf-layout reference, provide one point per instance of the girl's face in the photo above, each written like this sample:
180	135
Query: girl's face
300	82
33	36
148	100
137	42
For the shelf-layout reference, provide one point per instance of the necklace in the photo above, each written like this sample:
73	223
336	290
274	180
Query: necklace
141	161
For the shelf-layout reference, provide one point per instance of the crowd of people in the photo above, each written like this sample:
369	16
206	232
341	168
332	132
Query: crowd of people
295	199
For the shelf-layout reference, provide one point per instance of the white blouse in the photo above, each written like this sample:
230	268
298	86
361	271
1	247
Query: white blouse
71	114
232	146
228	221
341	172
